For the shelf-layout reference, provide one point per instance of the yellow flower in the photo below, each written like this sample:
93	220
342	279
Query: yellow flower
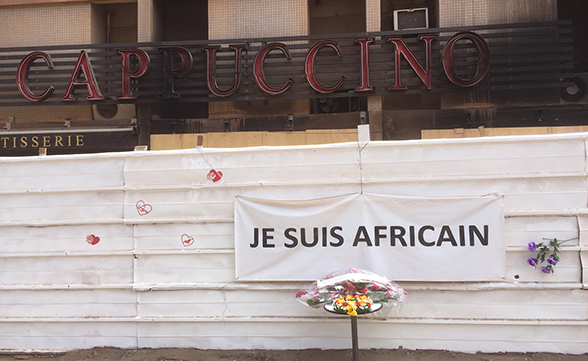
351	303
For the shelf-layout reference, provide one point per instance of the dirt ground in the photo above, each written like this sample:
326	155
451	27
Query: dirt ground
114	354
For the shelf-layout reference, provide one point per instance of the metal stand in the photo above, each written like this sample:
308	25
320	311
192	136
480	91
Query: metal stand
354	340
354	337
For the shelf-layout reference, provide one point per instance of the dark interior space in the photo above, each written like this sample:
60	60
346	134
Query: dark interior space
577	11
336	16
181	20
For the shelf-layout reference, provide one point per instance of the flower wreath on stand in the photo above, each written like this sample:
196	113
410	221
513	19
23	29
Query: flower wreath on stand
351	291
547	254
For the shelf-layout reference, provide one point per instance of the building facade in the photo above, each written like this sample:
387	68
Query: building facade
91	76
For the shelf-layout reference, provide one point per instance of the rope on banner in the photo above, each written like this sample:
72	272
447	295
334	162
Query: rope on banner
214	175
363	137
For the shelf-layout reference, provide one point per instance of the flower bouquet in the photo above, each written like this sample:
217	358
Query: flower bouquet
352	305
546	253
359	289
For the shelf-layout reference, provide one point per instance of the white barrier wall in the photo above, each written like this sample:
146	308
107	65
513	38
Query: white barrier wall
137	249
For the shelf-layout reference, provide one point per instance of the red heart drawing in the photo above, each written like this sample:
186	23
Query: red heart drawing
214	175
92	239
187	240
143	208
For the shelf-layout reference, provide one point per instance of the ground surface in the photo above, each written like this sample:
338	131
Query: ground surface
113	354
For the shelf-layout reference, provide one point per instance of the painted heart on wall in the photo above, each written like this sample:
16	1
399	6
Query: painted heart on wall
214	175
187	240
92	239
143	208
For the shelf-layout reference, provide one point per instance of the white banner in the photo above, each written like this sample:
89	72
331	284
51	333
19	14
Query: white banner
405	239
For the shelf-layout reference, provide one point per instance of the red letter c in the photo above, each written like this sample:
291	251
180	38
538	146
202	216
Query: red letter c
258	73
22	76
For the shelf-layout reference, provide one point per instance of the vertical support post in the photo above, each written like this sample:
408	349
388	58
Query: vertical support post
583	243
374	107
375	117
150	27
354	340
144	124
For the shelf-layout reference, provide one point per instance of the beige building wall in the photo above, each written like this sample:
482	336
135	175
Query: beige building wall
373	15
149	26
482	12
46	24
42	25
229	19
256	18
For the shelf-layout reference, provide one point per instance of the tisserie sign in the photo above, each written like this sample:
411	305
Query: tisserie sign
135	63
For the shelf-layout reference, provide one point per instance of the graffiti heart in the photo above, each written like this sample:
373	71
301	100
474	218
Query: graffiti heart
187	240
92	239
143	208
214	175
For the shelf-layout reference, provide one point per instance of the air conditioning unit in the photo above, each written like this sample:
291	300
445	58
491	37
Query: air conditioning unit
577	93
409	19
114	111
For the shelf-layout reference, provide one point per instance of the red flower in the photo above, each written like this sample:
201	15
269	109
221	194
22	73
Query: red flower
301	293
349	286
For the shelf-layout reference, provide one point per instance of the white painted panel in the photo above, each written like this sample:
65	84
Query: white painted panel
223	303
66	335
302	191
334	333
507	305
519	194
61	172
271	334
68	303
183	205
469	167
522	230
160	168
185	268
546	193
246	165
566	271
100	270
65	238
493	157
478	336
52	207
184	236
425	304
50	204
211	205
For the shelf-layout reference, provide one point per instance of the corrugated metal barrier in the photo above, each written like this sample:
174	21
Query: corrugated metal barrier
137	249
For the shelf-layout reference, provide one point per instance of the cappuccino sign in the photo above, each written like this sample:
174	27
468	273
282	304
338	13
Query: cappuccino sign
178	62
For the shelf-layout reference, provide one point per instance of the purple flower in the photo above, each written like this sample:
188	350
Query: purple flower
545	270
551	261
532	246
532	262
